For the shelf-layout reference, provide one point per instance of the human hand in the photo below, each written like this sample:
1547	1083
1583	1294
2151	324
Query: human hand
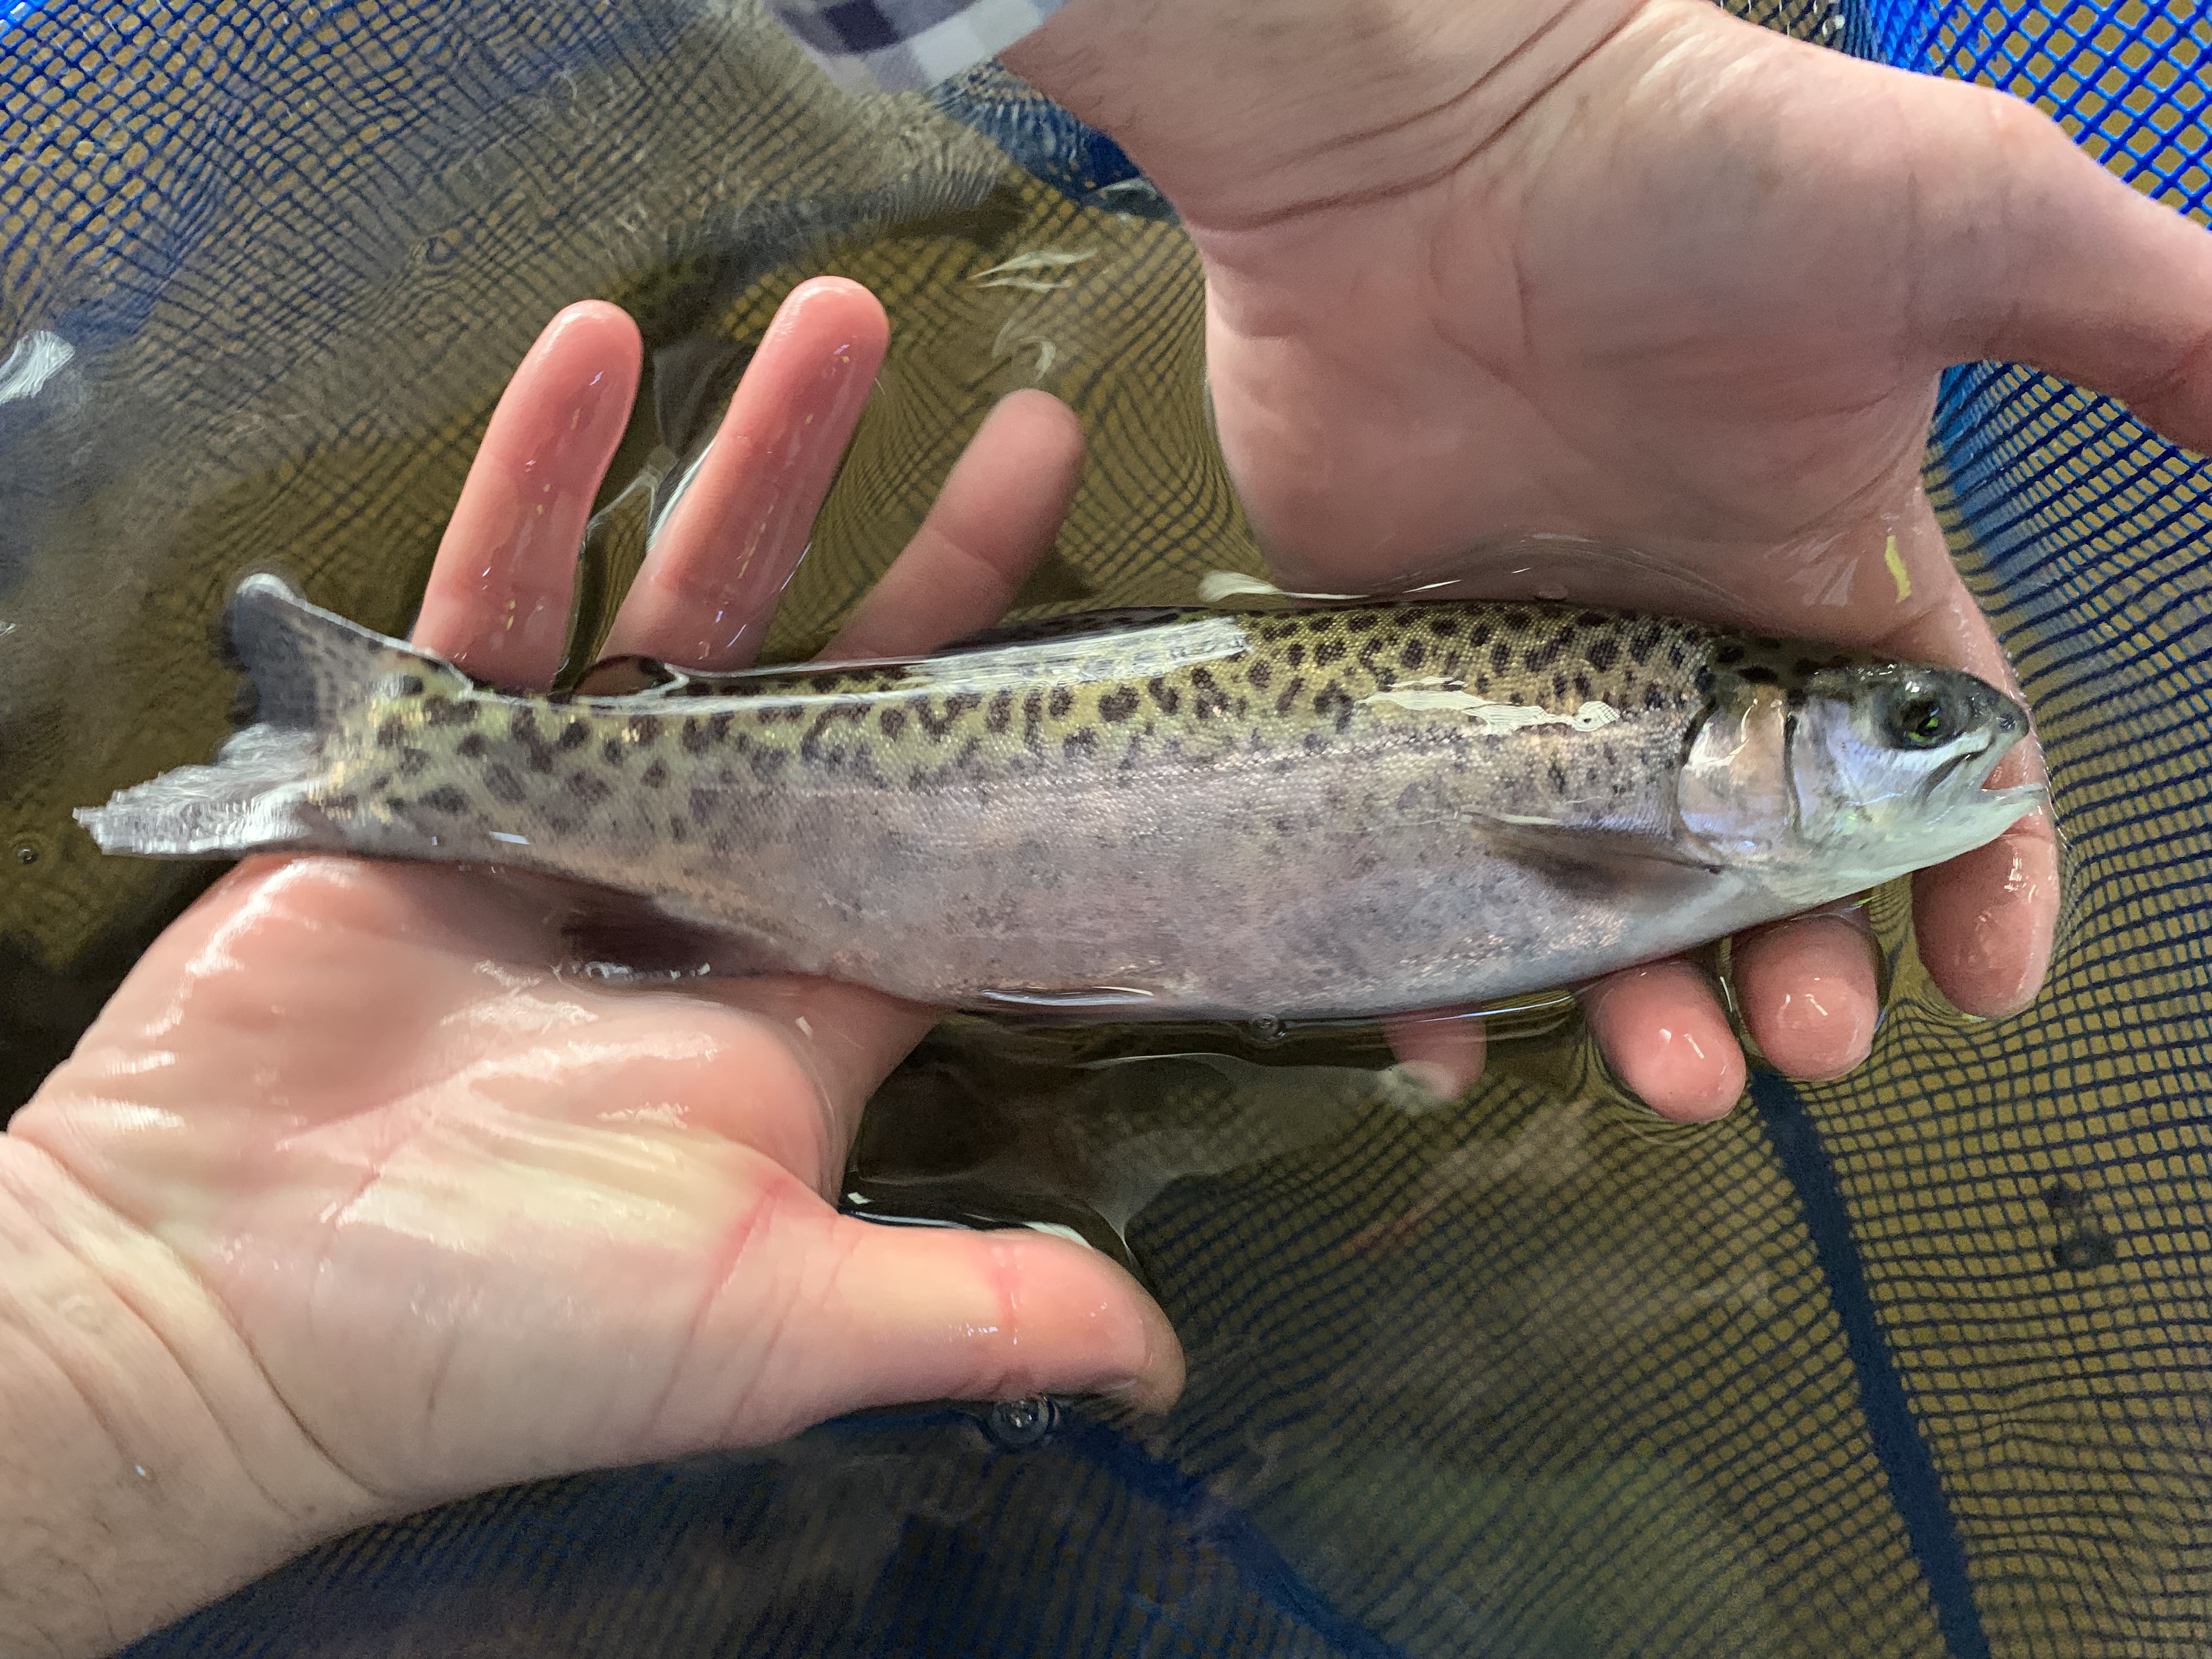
448	1219
1631	272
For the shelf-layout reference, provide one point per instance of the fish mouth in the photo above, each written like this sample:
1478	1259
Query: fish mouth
1951	767
1959	788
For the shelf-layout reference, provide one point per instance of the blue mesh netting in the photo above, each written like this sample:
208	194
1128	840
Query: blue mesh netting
1914	1364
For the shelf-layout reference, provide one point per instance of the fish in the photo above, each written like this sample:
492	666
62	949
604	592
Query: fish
1339	812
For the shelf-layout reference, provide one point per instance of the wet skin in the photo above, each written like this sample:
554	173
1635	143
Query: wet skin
370	1208
1634	272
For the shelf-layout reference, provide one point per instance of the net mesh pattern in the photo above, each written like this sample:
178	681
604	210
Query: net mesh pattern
1910	1365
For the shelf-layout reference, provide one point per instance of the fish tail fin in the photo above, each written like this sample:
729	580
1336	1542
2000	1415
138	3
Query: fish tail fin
308	668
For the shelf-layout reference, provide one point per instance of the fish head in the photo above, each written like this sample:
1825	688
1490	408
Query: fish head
1851	773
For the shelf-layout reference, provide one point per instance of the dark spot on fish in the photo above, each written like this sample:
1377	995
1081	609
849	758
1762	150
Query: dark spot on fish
1062	700
1559	687
1675	655
644	728
1001	713
705	807
504	785
449	711
1603	653
1359	622
1443	626
1332	700
575	735
1032	717
893	720
446	798
1518	621
810	746
388	733
1593	619
1558	776
1704	682
1117	705
654	775
1288	701
587	788
1538	657
693	736
409	685
1414	655
1654	698
1583	687
612	752
1644	642
471	746
1759	674
1206	698
1327	651
1295	655
1164	696
1501	657
1479	636
718	726
955	706
767	764
679	831
1257	673
413	763
1082	741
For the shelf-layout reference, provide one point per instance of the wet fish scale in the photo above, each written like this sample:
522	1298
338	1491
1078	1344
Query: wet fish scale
1332	811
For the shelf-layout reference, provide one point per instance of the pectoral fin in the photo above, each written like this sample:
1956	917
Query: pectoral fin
1550	842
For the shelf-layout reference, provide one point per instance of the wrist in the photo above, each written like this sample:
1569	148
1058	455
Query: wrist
146	1466
1247	111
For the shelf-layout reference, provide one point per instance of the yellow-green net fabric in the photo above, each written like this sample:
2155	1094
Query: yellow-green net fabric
1915	1363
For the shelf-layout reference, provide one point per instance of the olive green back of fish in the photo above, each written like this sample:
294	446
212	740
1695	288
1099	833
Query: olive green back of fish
1185	686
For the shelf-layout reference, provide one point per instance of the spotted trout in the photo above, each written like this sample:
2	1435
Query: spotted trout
1341	811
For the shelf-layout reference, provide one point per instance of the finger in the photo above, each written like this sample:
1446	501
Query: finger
996	516
2047	258
894	1314
1984	921
499	594
1664	1033
1807	990
1443	1050
710	582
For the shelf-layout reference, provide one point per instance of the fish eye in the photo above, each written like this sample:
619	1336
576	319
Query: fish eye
1921	720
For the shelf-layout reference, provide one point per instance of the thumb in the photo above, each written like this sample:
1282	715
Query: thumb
872	1315
2077	273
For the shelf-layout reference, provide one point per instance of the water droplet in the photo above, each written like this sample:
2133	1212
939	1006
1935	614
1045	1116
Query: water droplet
26	854
1266	1030
1018	1425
